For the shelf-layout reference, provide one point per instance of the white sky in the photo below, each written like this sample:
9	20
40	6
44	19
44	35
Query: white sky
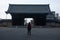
54	5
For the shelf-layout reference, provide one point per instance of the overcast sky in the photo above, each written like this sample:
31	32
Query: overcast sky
54	5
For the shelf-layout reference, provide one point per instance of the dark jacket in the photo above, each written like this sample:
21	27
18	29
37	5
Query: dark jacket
29	26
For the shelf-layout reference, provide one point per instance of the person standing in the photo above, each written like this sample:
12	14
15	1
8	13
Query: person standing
29	28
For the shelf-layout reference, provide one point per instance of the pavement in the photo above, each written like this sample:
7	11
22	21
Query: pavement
36	34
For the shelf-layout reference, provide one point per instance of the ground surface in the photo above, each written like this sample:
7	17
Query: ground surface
36	34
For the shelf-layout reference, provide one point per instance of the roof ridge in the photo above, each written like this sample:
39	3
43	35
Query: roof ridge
29	4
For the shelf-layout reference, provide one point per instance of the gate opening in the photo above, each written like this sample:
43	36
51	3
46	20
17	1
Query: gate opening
27	20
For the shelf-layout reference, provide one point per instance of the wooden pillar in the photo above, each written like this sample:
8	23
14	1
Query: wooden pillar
21	21
36	21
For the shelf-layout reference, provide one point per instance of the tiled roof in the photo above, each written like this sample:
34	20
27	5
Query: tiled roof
25	8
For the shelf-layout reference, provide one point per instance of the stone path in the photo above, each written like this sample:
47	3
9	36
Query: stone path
36	34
